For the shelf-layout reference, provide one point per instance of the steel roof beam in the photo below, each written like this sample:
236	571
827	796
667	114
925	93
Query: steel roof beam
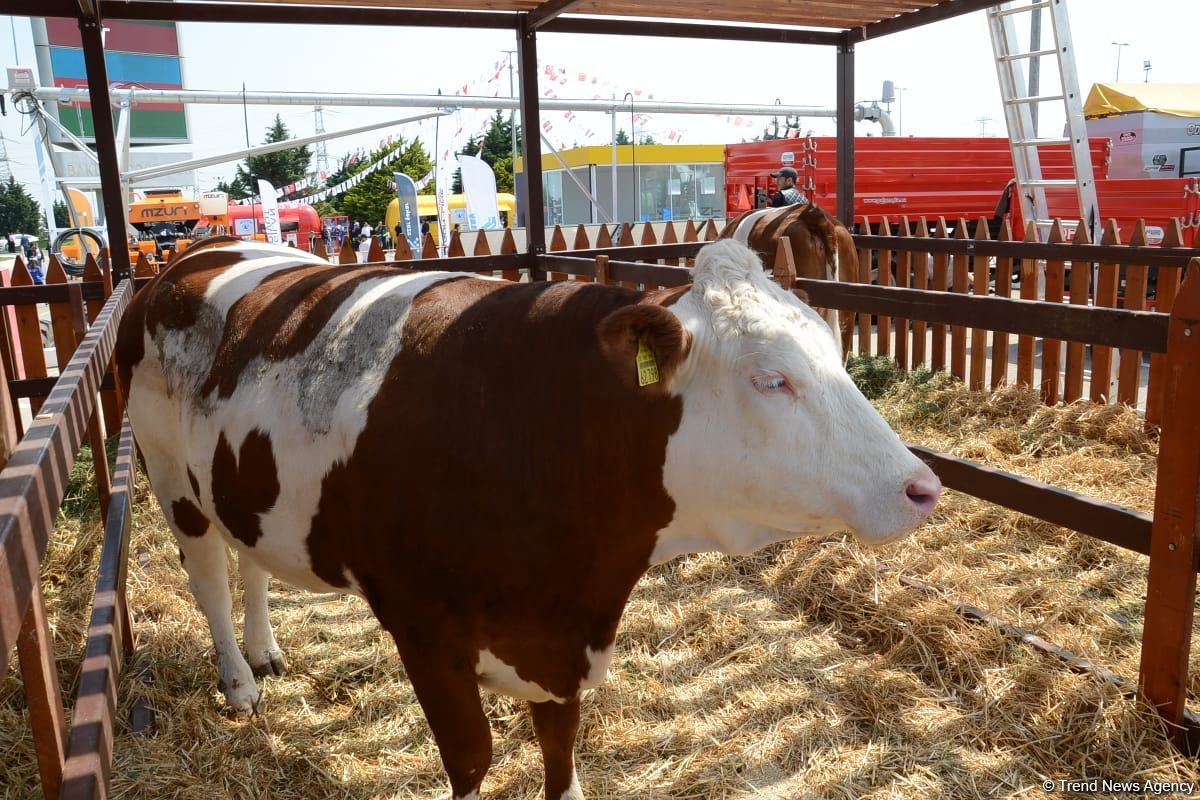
916	19
288	14
548	11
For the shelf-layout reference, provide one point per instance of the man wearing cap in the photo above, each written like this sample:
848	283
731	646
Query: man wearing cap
788	194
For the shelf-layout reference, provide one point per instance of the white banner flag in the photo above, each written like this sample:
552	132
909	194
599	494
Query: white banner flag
270	212
479	185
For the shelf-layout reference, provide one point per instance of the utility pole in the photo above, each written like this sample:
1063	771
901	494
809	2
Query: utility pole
322	151
5	170
1119	45
983	121
512	114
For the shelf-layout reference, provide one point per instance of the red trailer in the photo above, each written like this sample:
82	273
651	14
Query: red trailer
896	177
299	223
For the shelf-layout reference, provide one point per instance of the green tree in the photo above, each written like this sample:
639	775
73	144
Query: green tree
647	139
279	168
19	212
237	189
623	137
62	216
368	200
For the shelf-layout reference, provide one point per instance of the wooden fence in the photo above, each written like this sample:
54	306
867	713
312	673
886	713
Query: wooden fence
971	296
73	761
1134	277
960	302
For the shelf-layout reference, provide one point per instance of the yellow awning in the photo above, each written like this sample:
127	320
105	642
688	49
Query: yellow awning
1176	99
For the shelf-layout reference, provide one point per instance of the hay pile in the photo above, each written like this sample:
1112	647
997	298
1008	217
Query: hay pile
806	670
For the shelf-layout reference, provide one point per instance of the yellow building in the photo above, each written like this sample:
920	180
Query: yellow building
675	181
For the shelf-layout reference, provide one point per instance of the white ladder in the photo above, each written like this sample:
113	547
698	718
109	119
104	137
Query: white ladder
1022	133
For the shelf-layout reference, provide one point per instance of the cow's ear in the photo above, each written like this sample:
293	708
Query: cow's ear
645	344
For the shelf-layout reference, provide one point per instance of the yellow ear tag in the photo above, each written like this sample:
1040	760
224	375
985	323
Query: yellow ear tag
647	365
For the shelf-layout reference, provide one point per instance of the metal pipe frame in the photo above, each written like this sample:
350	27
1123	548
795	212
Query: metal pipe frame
52	94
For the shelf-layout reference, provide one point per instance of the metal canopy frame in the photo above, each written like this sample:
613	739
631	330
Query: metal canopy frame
545	17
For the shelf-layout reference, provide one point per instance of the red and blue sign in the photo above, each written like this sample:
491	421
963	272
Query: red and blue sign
138	55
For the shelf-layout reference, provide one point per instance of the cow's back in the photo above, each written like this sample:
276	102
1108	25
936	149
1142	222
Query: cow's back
343	423
249	370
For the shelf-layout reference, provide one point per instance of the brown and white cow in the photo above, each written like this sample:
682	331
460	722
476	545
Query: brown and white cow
821	245
491	465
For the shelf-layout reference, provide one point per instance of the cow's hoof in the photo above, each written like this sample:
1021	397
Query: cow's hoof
241	698
275	666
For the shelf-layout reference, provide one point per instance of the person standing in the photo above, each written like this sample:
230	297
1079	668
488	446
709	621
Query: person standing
788	194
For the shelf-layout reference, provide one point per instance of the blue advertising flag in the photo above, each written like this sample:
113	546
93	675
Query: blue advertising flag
410	220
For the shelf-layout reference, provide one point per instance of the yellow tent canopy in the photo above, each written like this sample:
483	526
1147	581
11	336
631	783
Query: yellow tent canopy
1176	99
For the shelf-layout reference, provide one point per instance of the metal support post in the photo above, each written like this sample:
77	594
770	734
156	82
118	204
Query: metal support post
531	144
106	146
845	132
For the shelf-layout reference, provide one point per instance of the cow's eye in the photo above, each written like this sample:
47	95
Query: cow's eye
771	383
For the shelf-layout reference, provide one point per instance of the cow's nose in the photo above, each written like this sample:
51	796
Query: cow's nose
922	490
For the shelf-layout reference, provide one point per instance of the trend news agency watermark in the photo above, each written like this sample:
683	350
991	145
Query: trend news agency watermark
1109	786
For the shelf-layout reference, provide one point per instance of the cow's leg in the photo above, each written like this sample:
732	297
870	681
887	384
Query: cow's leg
261	648
447	689
204	558
556	725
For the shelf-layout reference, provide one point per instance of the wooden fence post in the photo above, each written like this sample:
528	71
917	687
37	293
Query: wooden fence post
29	332
602	270
1129	371
347	255
1171	587
35	650
903	271
710	231
558	244
784	268
690	235
883	325
1167	285
581	238
1080	293
1029	288
648	238
1052	348
319	249
508	247
375	252
604	237
941	282
403	249
864	276
958	333
429	248
920	267
669	237
979	352
1004	276
1106	297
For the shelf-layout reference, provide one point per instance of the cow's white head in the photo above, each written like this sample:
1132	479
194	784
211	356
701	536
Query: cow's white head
775	440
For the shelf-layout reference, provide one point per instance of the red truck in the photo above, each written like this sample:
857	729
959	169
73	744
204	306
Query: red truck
895	177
